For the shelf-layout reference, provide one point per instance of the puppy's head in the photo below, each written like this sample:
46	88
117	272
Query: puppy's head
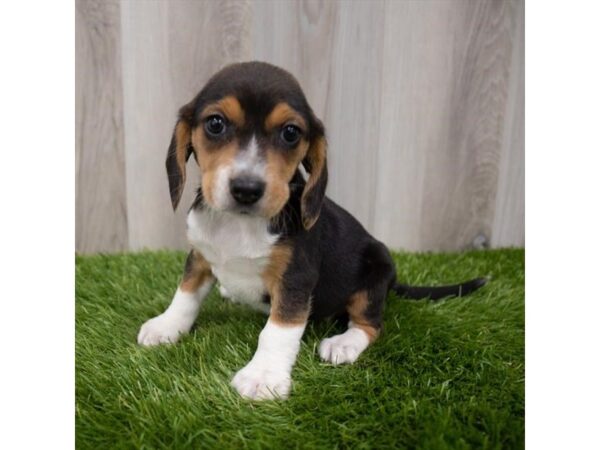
249	129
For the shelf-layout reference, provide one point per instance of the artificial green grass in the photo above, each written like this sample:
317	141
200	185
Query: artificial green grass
442	375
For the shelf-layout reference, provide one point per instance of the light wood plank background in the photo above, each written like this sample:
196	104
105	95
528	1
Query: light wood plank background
423	102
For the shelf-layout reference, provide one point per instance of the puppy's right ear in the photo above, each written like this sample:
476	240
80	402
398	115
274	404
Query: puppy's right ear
179	152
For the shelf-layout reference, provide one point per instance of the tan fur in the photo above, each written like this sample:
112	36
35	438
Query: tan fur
280	169
281	166
273	278
356	310
196	274
229	107
182	142
182	138
210	160
283	114
316	156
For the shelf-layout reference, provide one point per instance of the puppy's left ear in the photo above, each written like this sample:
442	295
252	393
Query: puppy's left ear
179	152
315	163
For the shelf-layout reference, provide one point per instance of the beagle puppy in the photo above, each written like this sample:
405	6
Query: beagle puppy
262	227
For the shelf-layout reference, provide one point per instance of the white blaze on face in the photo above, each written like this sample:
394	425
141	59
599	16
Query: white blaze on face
221	196
248	161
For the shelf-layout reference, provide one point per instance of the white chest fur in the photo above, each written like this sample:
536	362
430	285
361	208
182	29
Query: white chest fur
237	248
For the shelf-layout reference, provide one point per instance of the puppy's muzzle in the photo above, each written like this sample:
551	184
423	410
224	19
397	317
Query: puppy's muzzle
246	190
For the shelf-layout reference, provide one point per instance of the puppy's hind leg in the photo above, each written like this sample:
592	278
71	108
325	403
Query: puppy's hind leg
365	309
179	317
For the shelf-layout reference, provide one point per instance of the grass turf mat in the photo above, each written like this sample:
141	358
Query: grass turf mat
442	375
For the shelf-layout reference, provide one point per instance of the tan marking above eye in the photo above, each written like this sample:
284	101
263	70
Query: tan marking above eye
283	114
229	107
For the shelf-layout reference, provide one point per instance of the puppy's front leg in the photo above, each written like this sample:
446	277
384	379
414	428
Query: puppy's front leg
268	374
179	317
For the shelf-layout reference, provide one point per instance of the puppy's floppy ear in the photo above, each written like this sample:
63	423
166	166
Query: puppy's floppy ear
179	152
315	163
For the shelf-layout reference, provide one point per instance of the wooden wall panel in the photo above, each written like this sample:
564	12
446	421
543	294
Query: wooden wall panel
509	213
443	133
299	37
101	210
353	110
422	101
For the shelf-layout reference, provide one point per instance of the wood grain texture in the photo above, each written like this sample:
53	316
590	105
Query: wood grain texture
422	102
101	213
508	228
442	137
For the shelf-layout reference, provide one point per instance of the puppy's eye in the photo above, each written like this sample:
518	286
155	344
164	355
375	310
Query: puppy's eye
215	125
290	134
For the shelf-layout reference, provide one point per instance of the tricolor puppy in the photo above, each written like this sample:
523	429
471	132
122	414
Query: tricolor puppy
266	231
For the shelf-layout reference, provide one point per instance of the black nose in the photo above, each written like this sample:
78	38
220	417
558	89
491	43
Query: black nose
246	190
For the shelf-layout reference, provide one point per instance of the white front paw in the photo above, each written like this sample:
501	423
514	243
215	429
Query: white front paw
163	329
257	382
344	348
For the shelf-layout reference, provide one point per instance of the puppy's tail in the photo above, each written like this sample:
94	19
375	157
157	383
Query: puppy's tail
438	292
